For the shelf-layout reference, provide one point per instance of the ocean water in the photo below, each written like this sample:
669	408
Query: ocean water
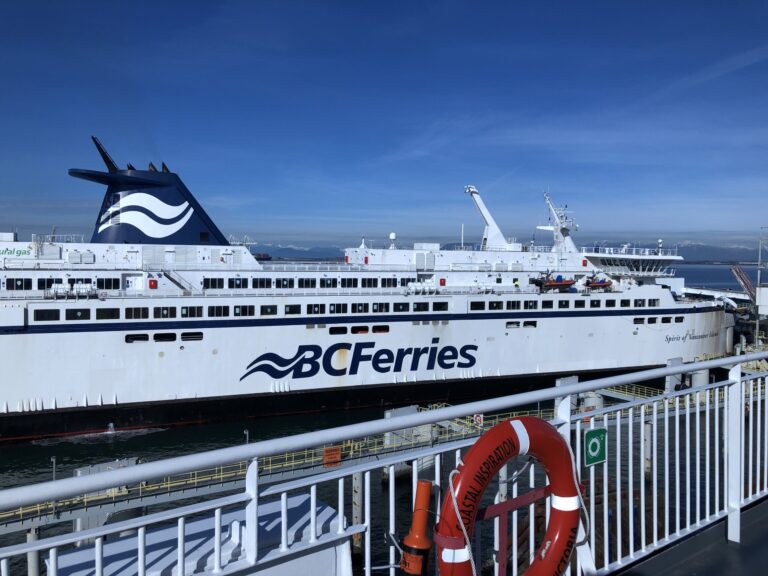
715	276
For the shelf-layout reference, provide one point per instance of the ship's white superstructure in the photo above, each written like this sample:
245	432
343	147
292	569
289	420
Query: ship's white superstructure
158	309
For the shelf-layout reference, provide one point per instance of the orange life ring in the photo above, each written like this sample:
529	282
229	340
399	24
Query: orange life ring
516	437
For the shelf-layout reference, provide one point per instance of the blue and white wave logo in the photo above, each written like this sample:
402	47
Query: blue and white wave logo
345	358
149	220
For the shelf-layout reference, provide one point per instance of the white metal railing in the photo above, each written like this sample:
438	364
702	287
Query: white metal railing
629	251
677	462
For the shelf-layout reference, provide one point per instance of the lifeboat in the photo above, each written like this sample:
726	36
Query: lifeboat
558	282
597	283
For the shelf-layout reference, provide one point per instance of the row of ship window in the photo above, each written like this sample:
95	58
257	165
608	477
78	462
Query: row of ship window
164	337
165	312
480	305
48	283
304	283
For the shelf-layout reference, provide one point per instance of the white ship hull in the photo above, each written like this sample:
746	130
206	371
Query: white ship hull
160	311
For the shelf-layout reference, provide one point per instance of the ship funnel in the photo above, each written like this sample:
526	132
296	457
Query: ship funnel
148	207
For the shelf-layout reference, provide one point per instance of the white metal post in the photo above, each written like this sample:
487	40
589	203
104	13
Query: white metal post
734	451
252	512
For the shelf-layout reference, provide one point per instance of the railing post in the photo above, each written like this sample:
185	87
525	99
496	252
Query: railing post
33	558
734	449
563	407
252	512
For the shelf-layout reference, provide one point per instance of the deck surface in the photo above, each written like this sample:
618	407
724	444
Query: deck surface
709	553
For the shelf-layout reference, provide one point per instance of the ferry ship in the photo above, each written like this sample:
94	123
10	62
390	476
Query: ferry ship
159	320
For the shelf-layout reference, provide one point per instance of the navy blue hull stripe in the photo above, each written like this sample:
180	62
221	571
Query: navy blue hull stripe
240	321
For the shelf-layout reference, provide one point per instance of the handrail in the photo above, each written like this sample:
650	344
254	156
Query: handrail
24	495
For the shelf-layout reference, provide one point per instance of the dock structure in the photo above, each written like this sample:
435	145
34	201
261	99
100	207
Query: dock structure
674	464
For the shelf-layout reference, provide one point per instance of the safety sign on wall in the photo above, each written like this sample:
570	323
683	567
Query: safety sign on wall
595	446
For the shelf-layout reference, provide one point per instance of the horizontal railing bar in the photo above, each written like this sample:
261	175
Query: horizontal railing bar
24	495
117	527
367	466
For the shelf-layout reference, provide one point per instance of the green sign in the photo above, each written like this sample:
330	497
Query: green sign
595	446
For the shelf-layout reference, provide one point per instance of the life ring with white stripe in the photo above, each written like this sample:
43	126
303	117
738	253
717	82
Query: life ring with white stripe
516	437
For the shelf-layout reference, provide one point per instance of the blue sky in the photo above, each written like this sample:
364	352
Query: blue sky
314	122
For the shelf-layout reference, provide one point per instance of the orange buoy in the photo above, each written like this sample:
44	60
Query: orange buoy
515	437
417	544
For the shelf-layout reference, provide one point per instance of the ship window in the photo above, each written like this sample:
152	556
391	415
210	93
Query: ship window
18	284
678	319
513	324
439	306
245	310
380	329
497	305
191	311
284	283
406	281
381	307
360	308
531	305
108	283
47	315
136	313
530	324
107	313
547	304
402	306
315	308
349	282
268	310
477	305
639	320
513	304
334	330
666	320
237	283
389	282
652	320
218	311
164	312
421	307
328	282
359	330
580	304
78	314
369	282
610	303
625	303
164	337
639	303
213	283
307	282
191	336
45	283
262	283
594	303
654	302
293	309
561	304
75	281
131	338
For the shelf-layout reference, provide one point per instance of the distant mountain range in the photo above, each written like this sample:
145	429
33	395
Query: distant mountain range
691	251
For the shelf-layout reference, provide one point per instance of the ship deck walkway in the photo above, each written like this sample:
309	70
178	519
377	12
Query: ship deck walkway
708	553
